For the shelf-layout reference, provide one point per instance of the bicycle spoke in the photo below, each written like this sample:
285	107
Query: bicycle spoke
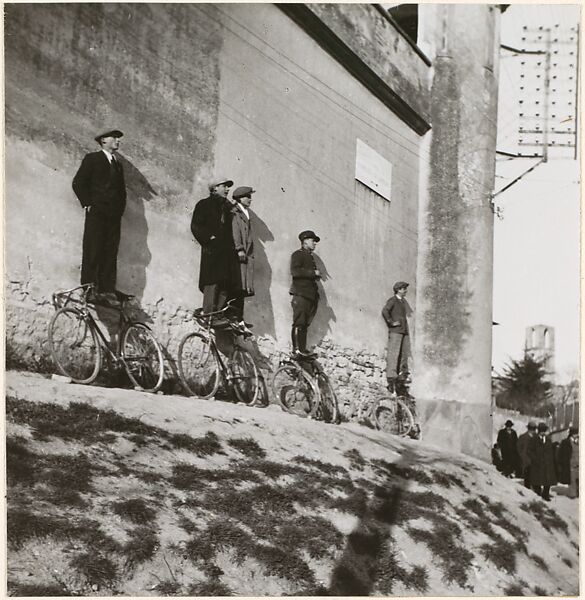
244	376
198	366
74	346
294	390
142	357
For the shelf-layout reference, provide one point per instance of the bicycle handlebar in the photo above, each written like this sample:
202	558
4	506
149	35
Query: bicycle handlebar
203	315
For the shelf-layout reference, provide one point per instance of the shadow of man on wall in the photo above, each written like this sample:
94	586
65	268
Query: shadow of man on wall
321	325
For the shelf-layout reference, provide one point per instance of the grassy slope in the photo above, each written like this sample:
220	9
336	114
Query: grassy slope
170	496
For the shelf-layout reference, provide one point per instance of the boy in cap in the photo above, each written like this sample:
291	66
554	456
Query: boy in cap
394	313
304	292
211	227
243	255
99	185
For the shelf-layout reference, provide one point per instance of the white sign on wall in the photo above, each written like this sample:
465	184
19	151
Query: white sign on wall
373	170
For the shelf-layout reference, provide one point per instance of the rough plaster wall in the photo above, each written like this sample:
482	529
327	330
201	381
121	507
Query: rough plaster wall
237	89
151	70
453	345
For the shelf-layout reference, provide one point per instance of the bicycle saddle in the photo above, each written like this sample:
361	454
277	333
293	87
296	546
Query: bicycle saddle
122	297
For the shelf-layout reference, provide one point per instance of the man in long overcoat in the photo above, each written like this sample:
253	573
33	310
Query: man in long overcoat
523	442
542	463
243	254
99	185
568	454
211	227
508	444
304	291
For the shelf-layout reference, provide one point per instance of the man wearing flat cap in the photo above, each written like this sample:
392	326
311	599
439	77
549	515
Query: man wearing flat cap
243	251
304	292
99	185
211	227
394	313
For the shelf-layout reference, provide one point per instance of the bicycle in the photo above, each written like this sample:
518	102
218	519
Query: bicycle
389	414
302	387
77	343
202	369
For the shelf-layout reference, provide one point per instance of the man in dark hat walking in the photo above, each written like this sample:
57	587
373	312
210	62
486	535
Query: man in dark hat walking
211	227
304	292
395	312
542	463
508	444
99	185
524	458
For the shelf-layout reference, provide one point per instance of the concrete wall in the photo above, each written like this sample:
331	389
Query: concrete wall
454	281
199	88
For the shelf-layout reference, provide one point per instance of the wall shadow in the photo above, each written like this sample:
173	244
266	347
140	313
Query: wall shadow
134	255
259	307
321	325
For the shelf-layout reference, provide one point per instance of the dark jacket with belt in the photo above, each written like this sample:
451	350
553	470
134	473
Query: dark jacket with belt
212	218
101	185
542	461
395	310
304	280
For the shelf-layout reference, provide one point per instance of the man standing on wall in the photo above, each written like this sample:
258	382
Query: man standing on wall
395	312
211	227
99	185
304	292
243	257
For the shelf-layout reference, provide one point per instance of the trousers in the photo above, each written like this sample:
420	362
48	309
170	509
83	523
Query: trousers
398	350
304	310
214	297
101	240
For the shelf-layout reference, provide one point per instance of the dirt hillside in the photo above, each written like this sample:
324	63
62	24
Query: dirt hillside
118	492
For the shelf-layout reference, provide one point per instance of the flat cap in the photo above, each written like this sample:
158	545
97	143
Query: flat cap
399	285
218	181
542	427
109	133
308	233
531	425
509	423
242	191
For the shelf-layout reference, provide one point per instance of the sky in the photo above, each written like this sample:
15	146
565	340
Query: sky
536	240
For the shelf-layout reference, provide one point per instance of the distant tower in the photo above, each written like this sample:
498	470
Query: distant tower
540	344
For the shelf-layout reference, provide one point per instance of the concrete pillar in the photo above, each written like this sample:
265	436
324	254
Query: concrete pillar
453	321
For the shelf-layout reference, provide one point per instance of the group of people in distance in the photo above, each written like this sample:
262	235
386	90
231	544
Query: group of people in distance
534	458
223	228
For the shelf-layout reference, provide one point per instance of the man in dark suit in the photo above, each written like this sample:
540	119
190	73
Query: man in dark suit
99	185
508	444
211	227
395	312
305	295
542	463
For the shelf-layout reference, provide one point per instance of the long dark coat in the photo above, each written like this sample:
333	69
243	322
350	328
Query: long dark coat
564	461
243	272
212	217
542	461
508	445
101	185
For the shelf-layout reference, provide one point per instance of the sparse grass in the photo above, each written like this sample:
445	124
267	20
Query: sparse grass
203	446
210	587
141	546
135	510
356	460
445	544
539	561
501	553
538	591
389	570
96	568
248	446
37	589
385	468
168	587
514	589
547	517
324	467
568	562
447	480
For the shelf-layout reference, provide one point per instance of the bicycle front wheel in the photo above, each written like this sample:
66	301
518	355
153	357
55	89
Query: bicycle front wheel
244	374
393	416
74	346
327	410
198	367
295	390
143	357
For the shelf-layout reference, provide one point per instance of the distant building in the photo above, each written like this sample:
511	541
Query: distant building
540	345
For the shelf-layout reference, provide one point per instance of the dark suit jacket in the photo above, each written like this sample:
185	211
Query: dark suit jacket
542	461
395	310
101	185
304	280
